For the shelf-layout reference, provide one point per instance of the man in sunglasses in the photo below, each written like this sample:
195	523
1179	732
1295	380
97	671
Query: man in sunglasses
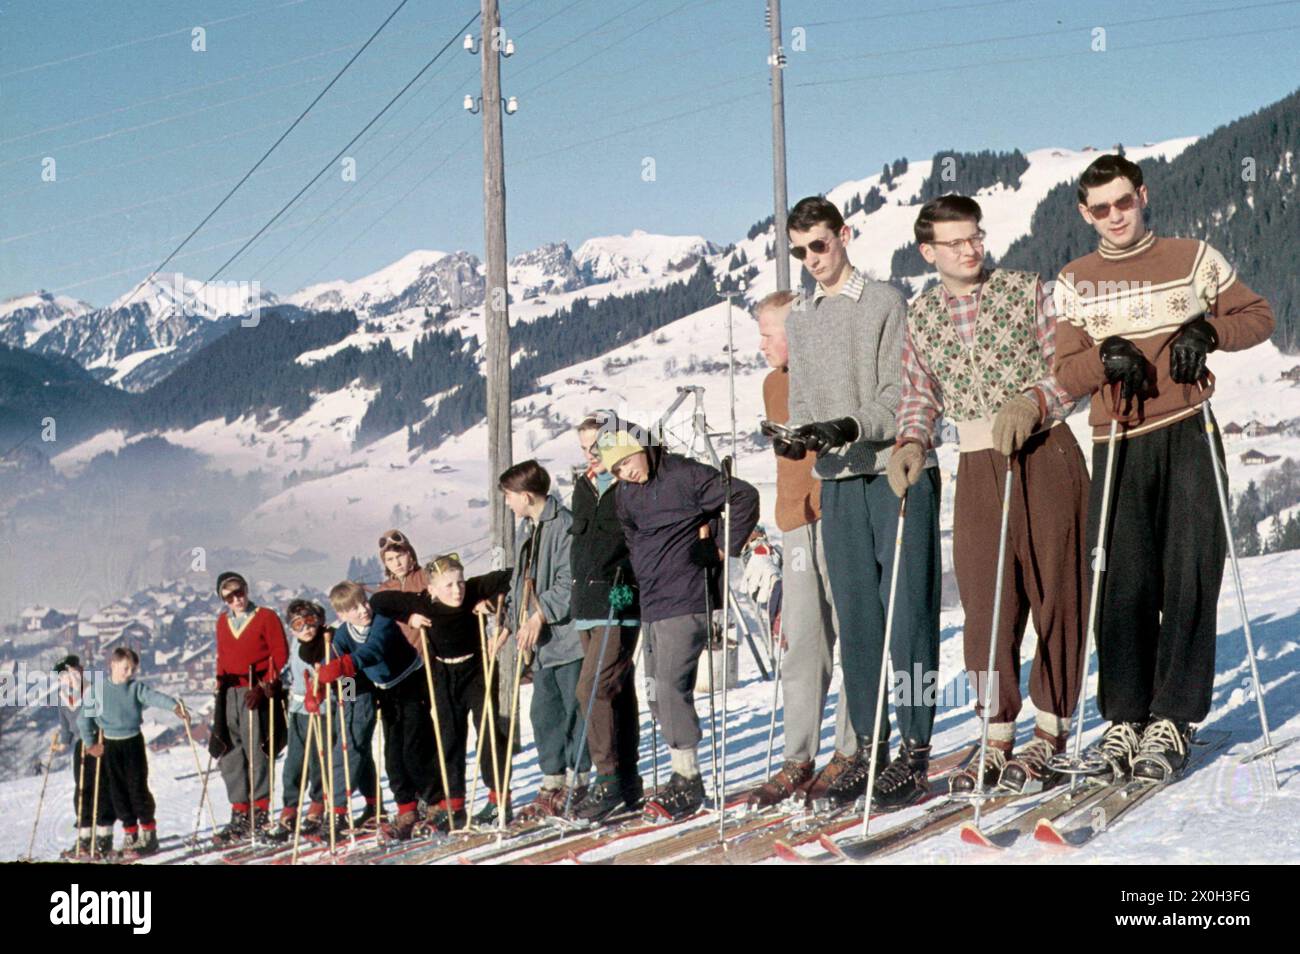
979	350
845	344
1140	314
251	653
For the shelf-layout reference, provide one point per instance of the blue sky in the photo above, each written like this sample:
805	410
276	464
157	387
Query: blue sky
148	135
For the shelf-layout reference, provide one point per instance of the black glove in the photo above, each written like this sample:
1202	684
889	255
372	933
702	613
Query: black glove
792	450
705	554
820	435
1125	365
1187	356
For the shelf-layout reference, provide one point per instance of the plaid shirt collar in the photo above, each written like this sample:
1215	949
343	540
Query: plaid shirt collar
853	288
950	299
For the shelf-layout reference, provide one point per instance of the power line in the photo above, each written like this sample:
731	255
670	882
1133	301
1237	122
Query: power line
268	152
345	148
146	39
910	13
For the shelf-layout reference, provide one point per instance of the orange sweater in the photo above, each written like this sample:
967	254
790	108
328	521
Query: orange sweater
1146	293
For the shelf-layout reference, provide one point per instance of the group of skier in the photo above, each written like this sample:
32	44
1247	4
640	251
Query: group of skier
867	376
860	379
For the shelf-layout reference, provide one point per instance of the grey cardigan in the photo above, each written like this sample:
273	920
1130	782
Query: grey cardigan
551	569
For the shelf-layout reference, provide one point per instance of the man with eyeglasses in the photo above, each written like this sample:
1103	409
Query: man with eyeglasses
978	351
251	653
1140	315
845	345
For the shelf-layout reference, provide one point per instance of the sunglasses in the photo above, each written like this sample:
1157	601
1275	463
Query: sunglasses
234	595
818	246
976	241
393	538
1124	203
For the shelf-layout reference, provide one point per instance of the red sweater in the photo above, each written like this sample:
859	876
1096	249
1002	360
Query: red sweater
260	644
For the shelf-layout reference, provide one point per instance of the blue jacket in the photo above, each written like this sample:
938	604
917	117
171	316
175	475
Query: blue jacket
661	520
551	570
382	654
120	710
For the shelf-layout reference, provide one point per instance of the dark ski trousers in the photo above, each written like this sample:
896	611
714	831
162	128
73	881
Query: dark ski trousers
458	688
672	660
557	720
859	526
614	730
234	764
1165	548
1045	574
410	757
127	767
83	804
295	752
359	731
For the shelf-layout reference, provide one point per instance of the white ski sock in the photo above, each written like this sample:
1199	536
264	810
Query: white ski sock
685	762
1053	725
1002	732
578	780
550	782
104	831
85	833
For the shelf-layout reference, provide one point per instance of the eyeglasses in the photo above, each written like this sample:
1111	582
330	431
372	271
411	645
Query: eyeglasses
817	246
975	241
234	595
1124	203
393	538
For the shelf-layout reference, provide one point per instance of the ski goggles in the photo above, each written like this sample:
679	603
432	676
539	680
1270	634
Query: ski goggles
448	561
1124	203
394	538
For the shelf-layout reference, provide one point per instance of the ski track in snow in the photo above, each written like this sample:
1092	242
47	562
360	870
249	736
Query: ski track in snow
1223	812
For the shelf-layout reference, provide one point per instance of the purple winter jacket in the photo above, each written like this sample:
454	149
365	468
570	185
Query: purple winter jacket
661	520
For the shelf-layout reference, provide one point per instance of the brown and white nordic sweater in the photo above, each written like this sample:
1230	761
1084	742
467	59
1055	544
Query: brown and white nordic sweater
1146	293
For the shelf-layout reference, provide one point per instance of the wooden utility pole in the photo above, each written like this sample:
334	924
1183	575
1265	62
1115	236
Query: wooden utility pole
781	247
495	306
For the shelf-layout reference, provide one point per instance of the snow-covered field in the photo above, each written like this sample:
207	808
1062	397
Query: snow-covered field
1223	812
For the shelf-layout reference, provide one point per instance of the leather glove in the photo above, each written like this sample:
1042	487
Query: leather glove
256	696
1187	355
791	450
1014	422
820	435
906	464
1125	365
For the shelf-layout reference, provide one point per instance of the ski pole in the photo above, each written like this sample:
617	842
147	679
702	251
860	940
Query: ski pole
485	720
203	797
708	648
1075	764
81	799
270	752
344	752
328	782
194	750
521	660
312	719
726	606
595	686
41	800
94	802
993	637
884	665
252	747
1219	484
778	655
437	728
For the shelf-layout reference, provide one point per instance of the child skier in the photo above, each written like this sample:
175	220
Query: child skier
662	501
448	609
306	621
84	765
1140	314
114	710
537	611
371	644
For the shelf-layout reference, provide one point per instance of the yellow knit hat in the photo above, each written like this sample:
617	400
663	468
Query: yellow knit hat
616	446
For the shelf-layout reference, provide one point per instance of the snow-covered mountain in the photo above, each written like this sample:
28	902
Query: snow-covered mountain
24	318
638	254
421	279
